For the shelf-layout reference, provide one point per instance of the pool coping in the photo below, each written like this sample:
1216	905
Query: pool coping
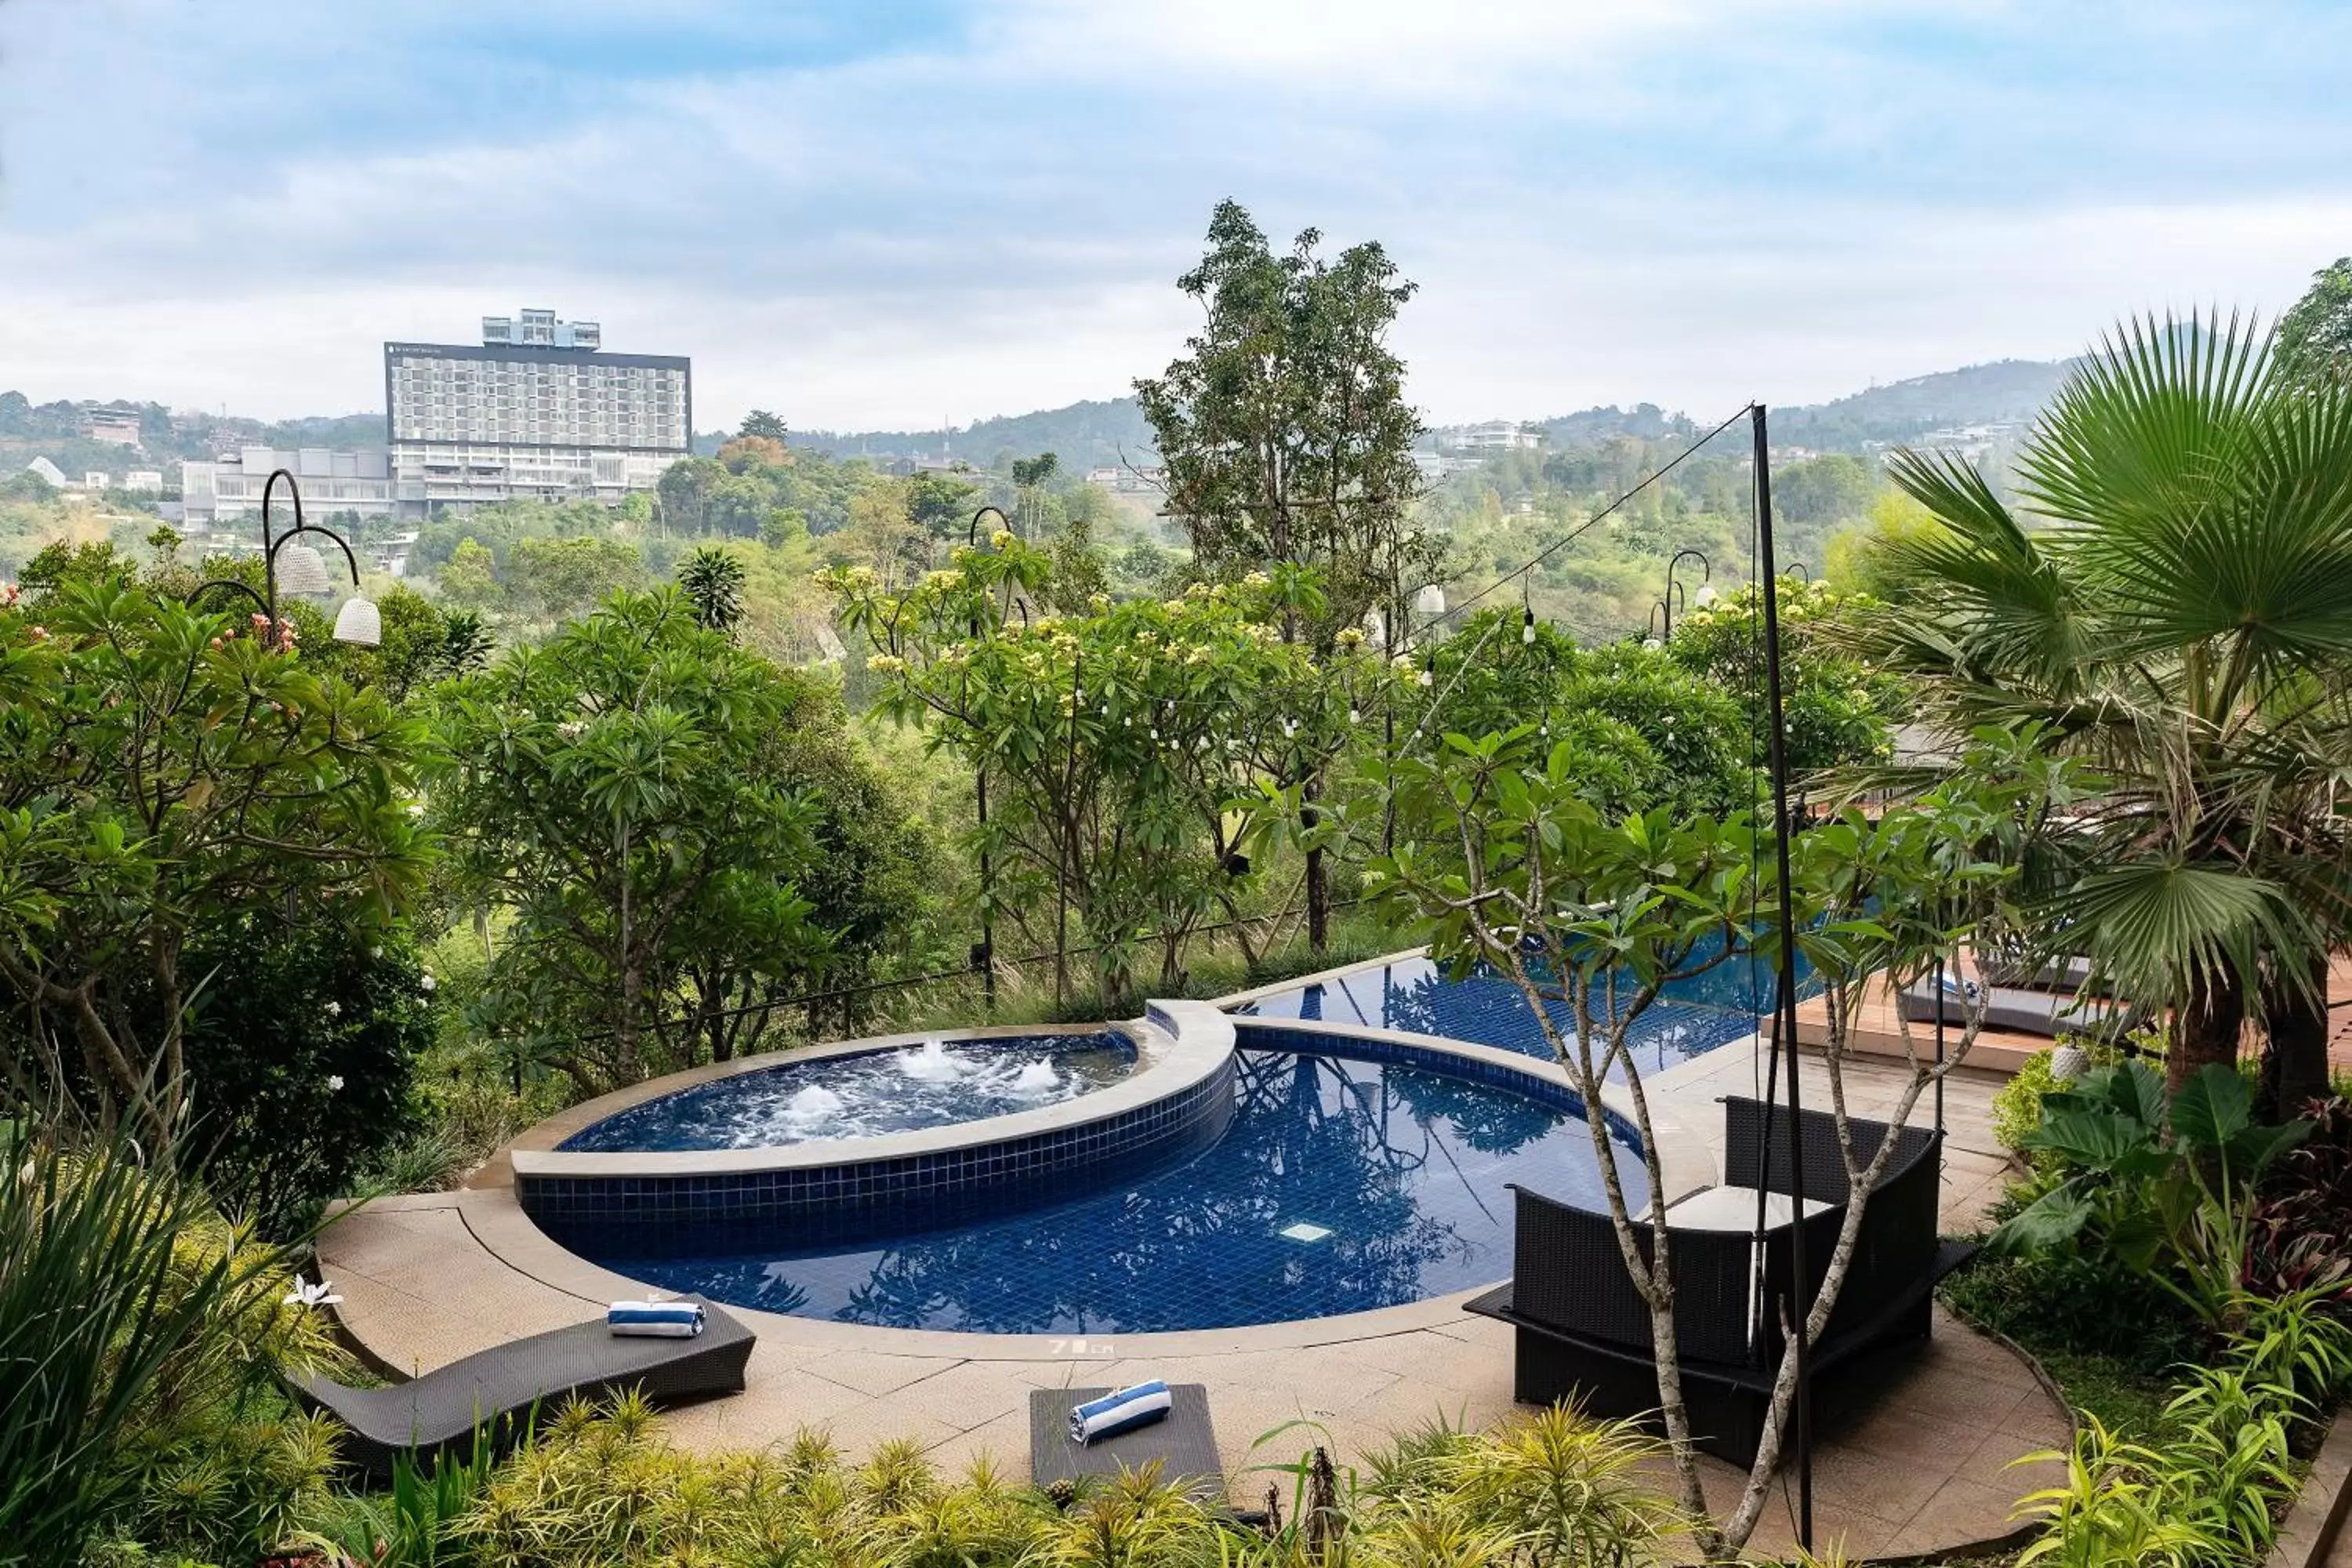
1182	1044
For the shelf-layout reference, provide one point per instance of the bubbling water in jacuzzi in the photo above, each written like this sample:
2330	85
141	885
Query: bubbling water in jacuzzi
872	1094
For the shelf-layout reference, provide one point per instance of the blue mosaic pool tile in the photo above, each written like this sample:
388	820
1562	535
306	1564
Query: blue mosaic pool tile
837	1203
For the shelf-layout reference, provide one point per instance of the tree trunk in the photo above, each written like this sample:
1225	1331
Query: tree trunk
2295	1047
2207	1027
1318	884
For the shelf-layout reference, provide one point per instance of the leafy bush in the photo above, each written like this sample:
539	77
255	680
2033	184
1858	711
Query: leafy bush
2165	1188
2017	1104
301	1047
600	1487
156	1329
2119	1507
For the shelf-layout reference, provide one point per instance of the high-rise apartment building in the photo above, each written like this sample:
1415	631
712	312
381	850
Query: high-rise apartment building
538	410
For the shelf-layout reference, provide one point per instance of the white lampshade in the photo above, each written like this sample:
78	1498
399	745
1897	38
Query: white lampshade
1705	594
359	622
301	570
1430	601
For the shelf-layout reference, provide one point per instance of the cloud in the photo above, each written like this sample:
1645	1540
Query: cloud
888	214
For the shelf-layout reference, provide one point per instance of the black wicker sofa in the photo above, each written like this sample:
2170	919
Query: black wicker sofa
1583	1331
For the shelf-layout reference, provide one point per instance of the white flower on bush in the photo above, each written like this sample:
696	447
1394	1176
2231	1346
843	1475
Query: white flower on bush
334	1009
425	981
306	1294
334	1082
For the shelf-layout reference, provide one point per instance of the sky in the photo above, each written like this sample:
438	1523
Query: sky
869	214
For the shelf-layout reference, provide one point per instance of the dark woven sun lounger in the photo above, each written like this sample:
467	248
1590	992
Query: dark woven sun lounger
1184	1444
500	1386
2021	1012
2067	976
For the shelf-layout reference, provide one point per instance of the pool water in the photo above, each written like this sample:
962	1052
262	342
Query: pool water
1343	1184
1690	1017
868	1095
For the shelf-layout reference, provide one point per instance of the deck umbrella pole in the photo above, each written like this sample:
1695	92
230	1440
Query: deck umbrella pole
1785	997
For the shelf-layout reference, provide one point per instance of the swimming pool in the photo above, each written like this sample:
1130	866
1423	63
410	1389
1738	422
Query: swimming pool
1691	1016
1352	1175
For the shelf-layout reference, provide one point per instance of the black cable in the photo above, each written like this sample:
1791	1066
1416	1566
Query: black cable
1557	545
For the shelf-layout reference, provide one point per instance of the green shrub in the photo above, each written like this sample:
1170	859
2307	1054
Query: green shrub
2017	1104
302	1048
157	1329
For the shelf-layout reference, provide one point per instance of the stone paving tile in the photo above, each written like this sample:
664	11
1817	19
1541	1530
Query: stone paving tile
874	1375
967	1395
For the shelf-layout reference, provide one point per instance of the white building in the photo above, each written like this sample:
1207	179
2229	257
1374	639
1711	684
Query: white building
226	491
143	482
48	471
1490	435
95	480
392	554
538	411
116	424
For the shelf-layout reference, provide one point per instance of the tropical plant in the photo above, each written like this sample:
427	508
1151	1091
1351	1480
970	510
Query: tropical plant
416	1523
1840	712
2116	1508
2172	601
2164	1186
1113	743
712	581
161	774
631	791
130	1317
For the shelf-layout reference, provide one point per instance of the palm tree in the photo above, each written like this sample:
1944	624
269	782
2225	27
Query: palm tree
2171	600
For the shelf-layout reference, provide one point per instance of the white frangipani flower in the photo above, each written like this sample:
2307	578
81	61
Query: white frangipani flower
306	1294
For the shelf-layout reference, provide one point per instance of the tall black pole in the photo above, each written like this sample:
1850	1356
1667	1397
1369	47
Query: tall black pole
985	955
1785	1001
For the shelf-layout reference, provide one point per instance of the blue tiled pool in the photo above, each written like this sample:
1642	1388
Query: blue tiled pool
1692	1016
894	1090
1344	1182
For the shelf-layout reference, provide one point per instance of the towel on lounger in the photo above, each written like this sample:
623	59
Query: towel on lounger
656	1320
1121	1411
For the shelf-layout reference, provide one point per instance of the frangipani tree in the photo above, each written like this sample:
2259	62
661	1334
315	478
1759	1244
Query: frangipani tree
1113	740
1502	861
163	773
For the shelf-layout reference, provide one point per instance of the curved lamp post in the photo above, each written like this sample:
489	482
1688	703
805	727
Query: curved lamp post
1706	572
305	572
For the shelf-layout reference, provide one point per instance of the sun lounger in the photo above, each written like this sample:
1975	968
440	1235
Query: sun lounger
498	1388
2015	1011
1185	1444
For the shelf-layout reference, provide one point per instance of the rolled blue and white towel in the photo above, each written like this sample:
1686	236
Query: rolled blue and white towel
1122	1410
656	1320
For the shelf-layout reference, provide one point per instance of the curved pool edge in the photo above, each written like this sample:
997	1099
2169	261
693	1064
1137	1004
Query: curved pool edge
499	1223
830	1192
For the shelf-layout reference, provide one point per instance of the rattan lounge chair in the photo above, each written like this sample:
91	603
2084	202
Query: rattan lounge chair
497	1389
1583	1332
1185	1444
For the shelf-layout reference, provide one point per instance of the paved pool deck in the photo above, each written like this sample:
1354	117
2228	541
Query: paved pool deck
1922	1466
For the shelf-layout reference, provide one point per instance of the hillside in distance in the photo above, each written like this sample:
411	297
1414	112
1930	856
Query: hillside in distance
1094	433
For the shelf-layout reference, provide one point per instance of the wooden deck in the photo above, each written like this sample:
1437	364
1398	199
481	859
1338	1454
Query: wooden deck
1879	1030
